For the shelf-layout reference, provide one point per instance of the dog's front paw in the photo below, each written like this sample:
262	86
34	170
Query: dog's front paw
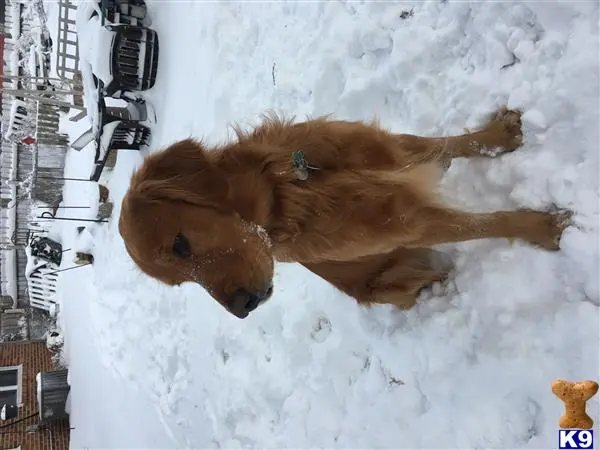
551	228
506	129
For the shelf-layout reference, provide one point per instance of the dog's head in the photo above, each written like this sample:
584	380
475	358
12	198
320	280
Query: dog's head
179	224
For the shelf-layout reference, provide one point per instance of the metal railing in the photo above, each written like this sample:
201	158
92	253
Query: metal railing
67	61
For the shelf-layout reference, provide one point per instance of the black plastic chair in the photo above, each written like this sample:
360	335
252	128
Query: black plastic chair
129	134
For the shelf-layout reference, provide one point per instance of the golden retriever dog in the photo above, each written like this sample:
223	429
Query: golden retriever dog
354	203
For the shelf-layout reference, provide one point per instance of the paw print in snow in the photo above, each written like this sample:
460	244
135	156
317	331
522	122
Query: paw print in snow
321	330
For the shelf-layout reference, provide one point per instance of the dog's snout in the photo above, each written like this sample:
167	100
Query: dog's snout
242	302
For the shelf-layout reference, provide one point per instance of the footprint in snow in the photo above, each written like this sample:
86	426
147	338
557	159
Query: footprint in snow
321	330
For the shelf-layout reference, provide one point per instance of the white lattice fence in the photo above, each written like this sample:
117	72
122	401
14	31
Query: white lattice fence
42	283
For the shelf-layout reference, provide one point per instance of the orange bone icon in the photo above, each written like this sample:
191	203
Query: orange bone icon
575	395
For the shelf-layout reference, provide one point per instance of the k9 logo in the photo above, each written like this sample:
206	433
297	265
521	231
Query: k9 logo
575	439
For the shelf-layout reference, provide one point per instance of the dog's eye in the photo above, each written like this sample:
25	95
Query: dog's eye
181	246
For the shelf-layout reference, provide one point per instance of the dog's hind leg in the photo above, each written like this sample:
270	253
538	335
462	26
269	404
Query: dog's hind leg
394	278
412	271
502	134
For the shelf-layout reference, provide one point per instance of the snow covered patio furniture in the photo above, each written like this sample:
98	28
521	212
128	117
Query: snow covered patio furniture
118	59
134	58
115	128
123	56
128	12
46	249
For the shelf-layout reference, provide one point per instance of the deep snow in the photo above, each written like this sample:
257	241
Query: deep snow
471	365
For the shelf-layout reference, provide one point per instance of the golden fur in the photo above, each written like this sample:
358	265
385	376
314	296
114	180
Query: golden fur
363	220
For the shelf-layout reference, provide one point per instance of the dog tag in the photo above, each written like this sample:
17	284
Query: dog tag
301	166
302	174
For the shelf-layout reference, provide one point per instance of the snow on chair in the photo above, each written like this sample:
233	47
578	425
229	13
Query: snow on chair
116	128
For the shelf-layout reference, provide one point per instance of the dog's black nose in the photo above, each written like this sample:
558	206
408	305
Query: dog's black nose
242	301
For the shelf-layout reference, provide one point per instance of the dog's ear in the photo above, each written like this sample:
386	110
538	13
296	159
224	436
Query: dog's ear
184	158
182	172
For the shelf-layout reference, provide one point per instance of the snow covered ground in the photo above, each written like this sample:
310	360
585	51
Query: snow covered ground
471	365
